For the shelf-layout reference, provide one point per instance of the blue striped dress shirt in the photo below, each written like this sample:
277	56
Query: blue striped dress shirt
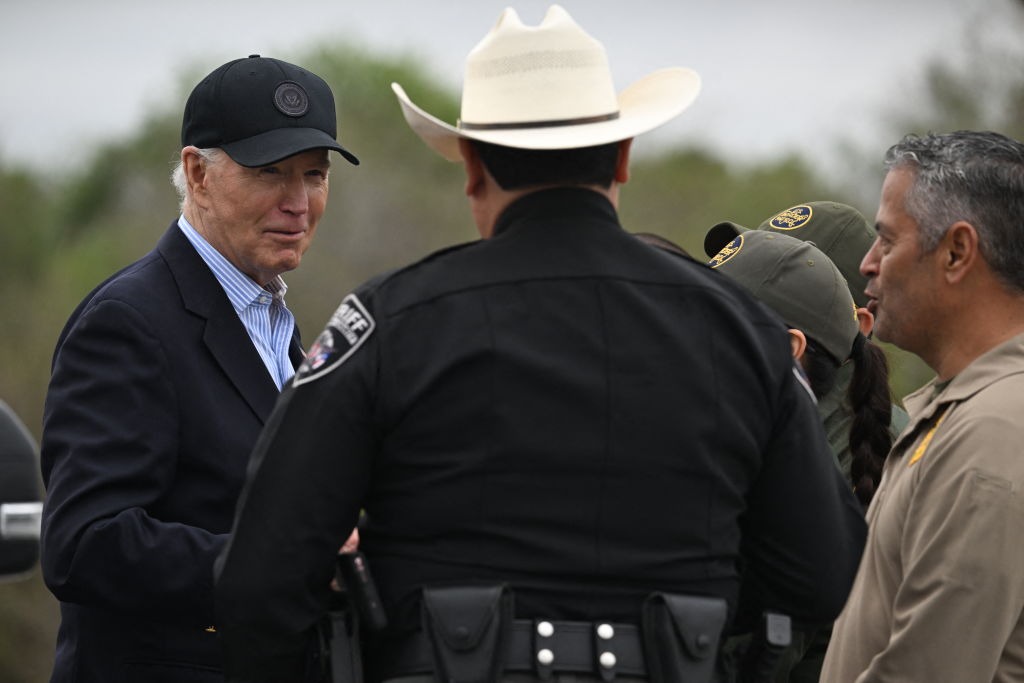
261	309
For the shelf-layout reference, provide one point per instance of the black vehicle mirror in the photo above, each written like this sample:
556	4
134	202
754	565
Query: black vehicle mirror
21	504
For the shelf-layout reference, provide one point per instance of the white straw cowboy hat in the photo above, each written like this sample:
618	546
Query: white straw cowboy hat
549	87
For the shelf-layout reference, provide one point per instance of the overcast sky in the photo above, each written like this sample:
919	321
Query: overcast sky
777	75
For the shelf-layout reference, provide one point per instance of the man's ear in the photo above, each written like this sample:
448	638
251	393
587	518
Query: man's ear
474	167
196	173
797	342
622	164
960	250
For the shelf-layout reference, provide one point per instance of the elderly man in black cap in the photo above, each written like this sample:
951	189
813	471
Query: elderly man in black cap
571	446
165	374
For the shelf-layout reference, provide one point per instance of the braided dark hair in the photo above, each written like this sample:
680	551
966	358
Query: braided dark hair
871	400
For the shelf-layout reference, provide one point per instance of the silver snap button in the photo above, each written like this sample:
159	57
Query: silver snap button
545	629
605	632
607	659
545	657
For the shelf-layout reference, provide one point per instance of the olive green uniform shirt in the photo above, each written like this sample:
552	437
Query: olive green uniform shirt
837	416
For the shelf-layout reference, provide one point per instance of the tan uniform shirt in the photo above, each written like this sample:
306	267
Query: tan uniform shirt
940	589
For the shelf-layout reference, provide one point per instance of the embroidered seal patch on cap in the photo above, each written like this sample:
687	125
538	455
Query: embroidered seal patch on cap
792	218
290	99
727	252
346	331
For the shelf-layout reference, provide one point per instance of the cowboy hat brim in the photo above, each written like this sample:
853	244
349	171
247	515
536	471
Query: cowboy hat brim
646	104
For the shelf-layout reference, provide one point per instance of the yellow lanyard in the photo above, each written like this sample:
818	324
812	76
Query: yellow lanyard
923	446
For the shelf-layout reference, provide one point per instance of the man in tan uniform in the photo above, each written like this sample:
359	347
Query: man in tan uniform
940	590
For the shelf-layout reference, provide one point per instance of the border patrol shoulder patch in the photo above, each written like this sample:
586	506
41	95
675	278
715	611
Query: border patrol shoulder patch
348	328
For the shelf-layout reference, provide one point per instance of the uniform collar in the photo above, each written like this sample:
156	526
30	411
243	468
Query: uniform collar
834	400
551	204
995	364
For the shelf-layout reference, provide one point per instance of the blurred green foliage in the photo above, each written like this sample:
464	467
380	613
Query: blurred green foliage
61	237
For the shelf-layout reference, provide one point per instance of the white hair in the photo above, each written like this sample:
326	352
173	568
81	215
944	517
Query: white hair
211	155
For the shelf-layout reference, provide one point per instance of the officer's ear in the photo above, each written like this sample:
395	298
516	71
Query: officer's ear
475	173
961	248
622	164
865	321
797	342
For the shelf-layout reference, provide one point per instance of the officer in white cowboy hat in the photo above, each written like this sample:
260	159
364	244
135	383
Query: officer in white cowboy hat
571	446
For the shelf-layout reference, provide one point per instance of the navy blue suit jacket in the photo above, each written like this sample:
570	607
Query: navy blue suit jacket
156	399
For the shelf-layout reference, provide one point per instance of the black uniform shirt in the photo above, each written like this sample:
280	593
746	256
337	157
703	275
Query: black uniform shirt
562	408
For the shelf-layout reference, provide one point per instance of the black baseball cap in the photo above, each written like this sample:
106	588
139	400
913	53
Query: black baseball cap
261	110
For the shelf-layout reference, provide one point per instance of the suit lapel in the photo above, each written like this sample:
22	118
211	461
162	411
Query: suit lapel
223	333
296	352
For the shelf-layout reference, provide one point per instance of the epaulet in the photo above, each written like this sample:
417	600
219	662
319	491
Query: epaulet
380	280
352	324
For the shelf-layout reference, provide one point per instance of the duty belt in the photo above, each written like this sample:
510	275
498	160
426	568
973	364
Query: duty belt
545	647
469	634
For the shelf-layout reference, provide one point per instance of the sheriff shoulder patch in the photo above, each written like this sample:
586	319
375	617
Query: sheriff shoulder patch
346	331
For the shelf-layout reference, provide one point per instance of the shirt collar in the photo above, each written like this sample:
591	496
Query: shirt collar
574	202
995	364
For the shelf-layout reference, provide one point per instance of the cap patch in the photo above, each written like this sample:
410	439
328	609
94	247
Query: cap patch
792	218
291	99
727	252
346	331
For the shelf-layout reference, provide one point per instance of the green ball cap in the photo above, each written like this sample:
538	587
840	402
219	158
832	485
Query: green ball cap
837	229
798	282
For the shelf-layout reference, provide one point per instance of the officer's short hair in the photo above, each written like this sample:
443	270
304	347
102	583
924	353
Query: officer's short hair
973	176
515	168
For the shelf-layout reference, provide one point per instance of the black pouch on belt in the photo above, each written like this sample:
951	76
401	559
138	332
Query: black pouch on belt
681	634
468	627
